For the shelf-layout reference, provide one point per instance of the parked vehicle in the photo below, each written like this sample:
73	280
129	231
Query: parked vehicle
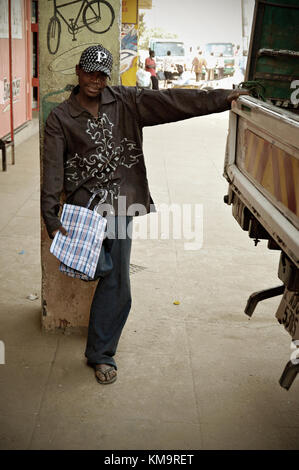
262	157
161	46
225	48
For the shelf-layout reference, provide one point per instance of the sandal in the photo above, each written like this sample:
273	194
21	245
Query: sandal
105	373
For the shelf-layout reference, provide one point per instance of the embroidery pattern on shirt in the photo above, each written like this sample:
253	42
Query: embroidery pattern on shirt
108	156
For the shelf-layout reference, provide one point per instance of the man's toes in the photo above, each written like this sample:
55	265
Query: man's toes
101	376
104	372
111	375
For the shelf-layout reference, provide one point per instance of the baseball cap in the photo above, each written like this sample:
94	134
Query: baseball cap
96	59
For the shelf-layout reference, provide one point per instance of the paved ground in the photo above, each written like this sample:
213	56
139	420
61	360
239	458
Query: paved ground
198	375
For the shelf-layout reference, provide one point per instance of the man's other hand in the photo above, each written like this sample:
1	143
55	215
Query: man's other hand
234	95
60	229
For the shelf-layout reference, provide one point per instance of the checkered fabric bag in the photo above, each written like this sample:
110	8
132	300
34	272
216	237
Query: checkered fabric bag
79	251
73	273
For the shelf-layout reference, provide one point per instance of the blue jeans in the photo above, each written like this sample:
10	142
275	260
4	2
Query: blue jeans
112	298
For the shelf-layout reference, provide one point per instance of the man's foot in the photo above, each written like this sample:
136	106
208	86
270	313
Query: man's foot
105	374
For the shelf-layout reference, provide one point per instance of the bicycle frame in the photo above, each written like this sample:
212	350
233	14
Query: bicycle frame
73	25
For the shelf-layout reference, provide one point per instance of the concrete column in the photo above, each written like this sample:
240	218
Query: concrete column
66	301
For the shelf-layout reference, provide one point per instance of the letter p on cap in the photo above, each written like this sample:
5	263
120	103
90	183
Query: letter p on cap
2	353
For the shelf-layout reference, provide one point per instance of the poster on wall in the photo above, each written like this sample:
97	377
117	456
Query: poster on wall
16	16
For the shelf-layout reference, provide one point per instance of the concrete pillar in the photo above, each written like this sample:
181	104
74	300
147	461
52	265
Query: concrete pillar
66	301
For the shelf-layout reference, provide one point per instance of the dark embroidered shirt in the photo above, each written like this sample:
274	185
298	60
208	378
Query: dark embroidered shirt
84	154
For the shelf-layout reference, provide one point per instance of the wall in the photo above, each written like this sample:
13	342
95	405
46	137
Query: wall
129	31
66	301
21	65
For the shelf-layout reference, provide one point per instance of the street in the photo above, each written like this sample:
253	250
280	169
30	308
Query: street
194	374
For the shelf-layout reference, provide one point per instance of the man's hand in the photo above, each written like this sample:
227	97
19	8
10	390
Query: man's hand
60	229
235	95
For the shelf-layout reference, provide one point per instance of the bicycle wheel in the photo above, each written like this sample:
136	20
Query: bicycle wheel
98	16
53	35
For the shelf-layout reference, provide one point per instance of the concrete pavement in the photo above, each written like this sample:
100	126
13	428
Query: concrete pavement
198	375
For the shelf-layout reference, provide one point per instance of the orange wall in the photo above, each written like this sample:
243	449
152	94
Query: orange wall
21	66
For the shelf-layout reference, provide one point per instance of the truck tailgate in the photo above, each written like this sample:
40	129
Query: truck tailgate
269	156
262	165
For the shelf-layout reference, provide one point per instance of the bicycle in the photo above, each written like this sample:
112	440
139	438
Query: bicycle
96	14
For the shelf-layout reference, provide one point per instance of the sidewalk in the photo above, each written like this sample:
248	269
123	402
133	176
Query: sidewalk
198	375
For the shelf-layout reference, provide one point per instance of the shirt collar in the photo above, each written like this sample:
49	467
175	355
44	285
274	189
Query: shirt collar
107	96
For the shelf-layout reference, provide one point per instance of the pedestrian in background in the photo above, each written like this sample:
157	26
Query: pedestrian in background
220	66
168	67
197	65
237	54
150	66
211	65
243	62
189	58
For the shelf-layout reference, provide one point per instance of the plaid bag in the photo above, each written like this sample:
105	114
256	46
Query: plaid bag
79	251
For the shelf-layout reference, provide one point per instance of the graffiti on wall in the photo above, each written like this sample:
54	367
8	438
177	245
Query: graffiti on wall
95	15
63	22
64	63
49	102
128	47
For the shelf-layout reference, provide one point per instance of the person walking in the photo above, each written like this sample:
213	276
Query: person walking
220	66
150	66
197	65
168	67
93	148
237	55
211	64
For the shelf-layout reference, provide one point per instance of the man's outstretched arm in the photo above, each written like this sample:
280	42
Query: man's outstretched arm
171	105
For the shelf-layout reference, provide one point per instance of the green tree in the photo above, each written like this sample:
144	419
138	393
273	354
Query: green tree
141	25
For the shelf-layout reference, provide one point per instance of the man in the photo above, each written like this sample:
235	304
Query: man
211	64
243	62
183	78
189	58
237	54
168	67
93	144
197	65
150	66
220	66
